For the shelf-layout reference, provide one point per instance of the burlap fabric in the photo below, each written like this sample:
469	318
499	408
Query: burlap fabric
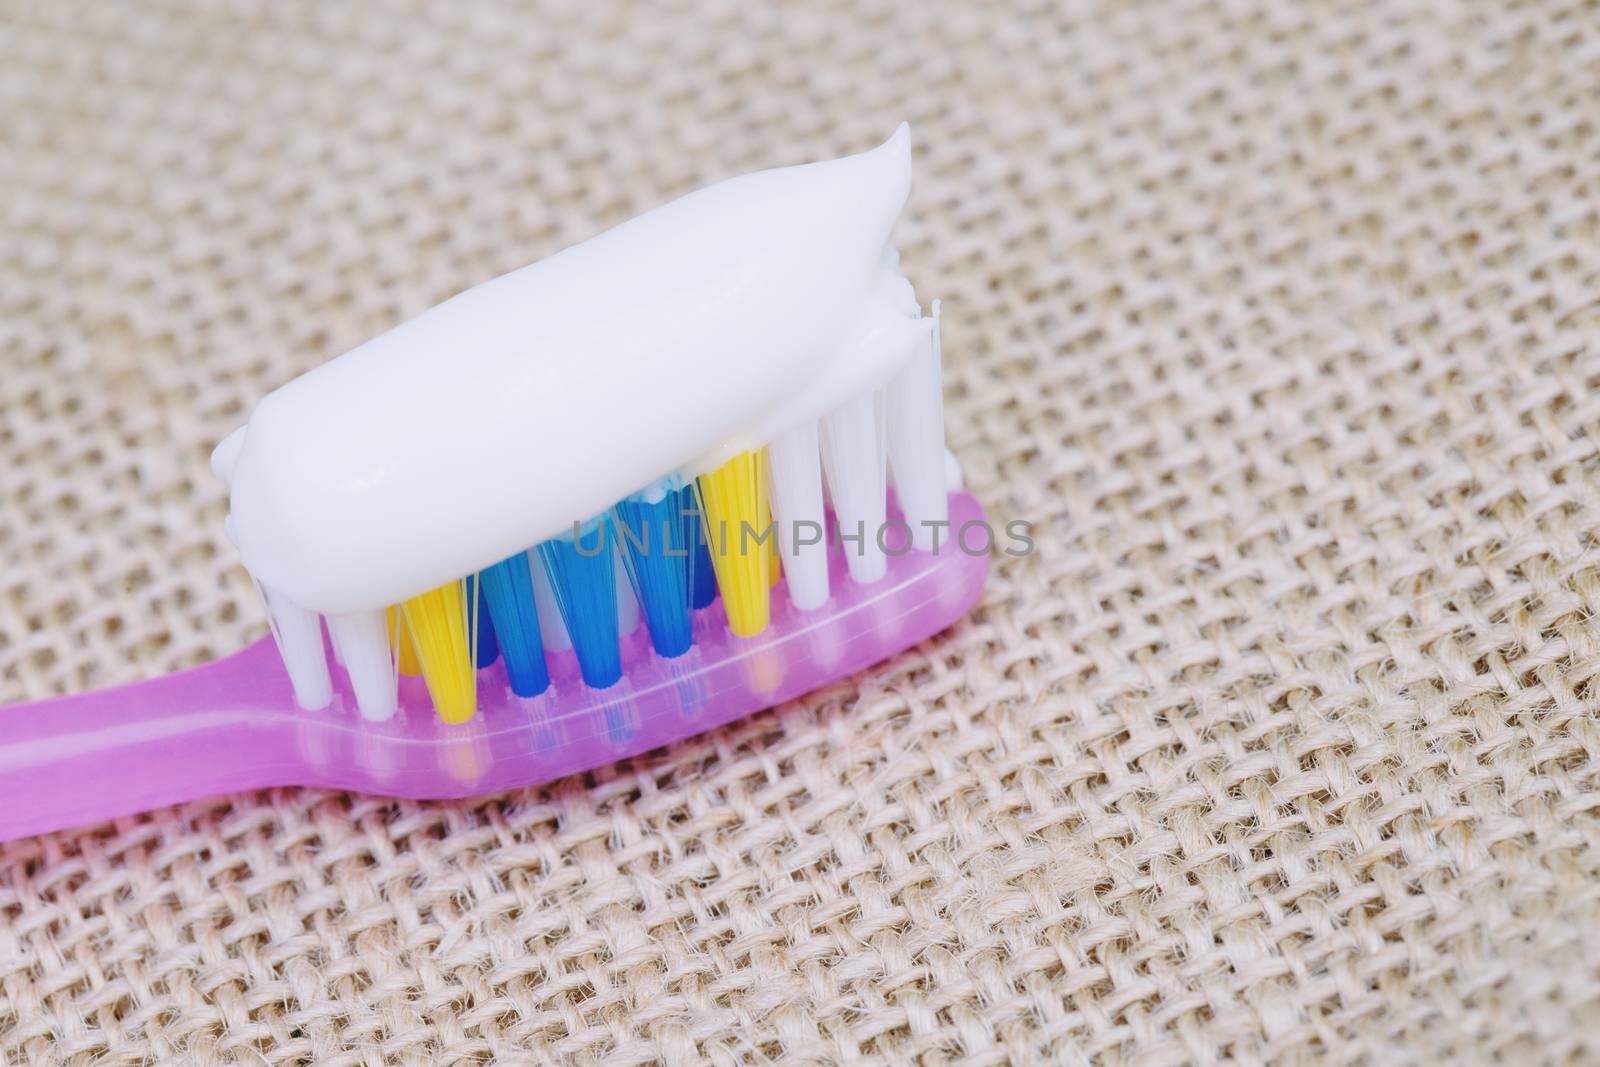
1278	321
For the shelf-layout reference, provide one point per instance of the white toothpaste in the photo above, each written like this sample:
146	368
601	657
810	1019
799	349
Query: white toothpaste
708	326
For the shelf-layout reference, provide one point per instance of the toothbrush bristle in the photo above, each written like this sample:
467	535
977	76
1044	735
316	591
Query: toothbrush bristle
298	632
853	456
795	466
584	577
629	614
702	574
733	500
650	536
441	628
914	412
367	642
488	648
508	591
774	554
552	628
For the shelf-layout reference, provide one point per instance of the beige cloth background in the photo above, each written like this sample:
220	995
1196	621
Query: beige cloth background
1278	320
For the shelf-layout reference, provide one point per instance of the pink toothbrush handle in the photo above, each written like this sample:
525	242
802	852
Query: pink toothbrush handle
233	724
91	756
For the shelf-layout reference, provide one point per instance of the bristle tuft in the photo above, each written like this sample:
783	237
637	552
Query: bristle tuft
650	535
482	625
796	474
365	639
552	627
298	632
508	592
914	413
440	626
774	559
853	455
733	499
702	573
583	577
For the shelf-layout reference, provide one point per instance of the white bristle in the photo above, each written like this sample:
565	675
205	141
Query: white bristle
914	414
552	631
298	632
794	467
363	638
853	455
627	602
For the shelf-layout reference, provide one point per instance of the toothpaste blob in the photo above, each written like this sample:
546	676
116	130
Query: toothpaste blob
702	329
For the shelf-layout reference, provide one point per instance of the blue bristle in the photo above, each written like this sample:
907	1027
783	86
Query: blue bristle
508	594
585	584
488	647
651	536
702	579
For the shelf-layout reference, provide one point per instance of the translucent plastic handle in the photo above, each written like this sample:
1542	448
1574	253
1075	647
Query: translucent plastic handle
214	729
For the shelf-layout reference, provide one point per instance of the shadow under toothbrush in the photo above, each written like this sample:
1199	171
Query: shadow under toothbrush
233	724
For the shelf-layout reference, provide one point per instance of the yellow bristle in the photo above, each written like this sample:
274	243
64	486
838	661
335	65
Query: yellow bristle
775	564
734	503
400	639
441	629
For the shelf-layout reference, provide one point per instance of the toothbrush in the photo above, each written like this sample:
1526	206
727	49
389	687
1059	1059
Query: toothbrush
594	506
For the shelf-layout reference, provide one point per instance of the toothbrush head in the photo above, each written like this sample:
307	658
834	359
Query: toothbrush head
621	432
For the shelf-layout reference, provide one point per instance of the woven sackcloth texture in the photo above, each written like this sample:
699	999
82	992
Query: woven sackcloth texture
1278	321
